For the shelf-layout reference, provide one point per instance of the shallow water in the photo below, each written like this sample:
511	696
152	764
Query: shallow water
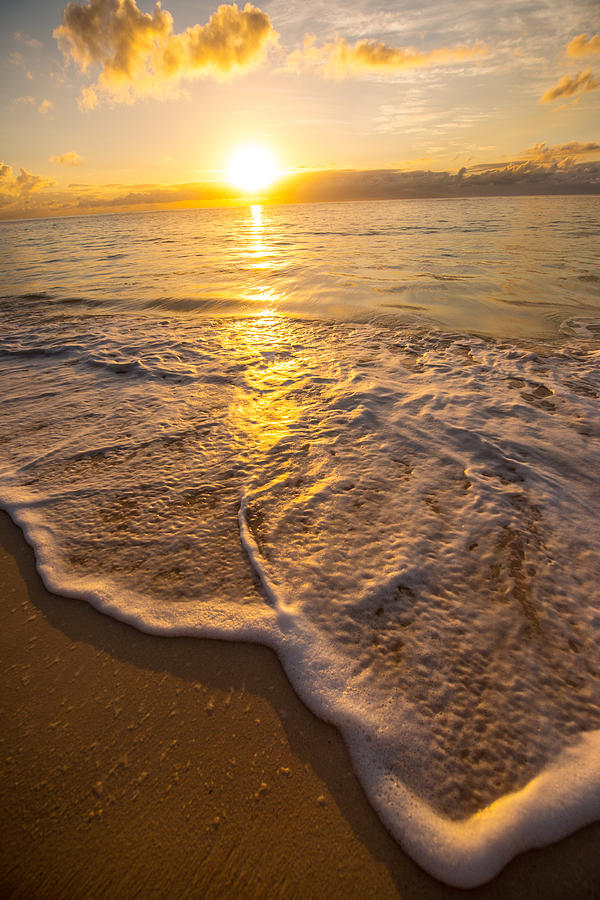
236	423
503	267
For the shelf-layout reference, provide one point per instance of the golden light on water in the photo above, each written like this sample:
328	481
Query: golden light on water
257	250
266	410
256	213
252	167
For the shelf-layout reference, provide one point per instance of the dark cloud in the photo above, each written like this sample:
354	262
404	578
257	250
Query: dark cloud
513	178
28	195
562	152
139	54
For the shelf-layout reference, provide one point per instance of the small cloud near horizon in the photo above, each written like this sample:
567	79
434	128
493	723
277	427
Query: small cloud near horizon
17	189
45	107
139	54
514	178
548	170
562	152
338	58
70	158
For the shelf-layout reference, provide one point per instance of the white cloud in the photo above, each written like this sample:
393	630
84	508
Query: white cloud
139	54
71	158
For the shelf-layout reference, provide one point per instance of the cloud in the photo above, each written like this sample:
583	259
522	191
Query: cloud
569	85
339	58
583	46
67	159
88	98
154	196
562	153
140	55
25	181
16	190
508	179
45	107
30	41
26	195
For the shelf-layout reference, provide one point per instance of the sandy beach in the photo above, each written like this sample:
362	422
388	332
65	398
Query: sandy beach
134	765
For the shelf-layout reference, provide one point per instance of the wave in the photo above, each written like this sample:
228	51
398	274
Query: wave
408	516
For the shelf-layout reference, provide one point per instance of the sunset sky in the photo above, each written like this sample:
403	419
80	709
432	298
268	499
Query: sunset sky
112	105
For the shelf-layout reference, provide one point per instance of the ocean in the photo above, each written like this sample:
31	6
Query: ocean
364	434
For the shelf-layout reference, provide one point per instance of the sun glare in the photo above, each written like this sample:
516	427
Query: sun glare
252	167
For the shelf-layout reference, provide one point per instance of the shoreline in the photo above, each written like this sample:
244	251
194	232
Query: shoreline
137	764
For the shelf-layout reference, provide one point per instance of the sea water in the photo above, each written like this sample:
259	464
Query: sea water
367	435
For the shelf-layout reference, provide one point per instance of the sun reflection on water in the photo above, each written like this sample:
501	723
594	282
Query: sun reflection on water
266	411
256	213
259	257
258	249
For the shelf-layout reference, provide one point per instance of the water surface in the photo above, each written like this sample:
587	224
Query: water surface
364	434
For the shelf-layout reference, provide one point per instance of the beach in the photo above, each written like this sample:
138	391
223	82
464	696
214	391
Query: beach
268	518
136	765
299	450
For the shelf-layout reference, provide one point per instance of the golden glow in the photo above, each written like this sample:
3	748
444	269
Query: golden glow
252	168
268	412
257	251
256	213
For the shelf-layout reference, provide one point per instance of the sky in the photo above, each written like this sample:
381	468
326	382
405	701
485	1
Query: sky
117	104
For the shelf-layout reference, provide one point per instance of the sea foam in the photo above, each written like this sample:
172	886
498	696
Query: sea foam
407	515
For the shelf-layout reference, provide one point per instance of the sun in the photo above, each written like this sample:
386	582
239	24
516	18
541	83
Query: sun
252	167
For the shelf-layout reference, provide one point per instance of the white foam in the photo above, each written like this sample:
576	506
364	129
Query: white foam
563	797
408	518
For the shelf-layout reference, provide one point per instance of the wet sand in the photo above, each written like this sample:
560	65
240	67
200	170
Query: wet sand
133	765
